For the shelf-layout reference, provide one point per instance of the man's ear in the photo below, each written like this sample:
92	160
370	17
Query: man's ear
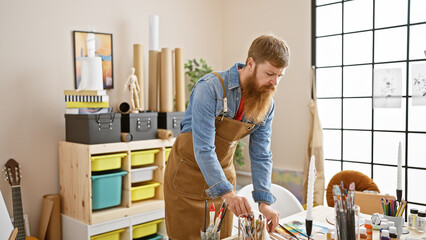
251	64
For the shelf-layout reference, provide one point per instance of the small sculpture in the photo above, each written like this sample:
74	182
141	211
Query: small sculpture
133	85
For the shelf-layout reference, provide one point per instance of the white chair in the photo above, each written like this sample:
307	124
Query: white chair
286	203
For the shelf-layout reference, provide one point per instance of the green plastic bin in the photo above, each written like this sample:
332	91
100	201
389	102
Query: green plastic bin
106	190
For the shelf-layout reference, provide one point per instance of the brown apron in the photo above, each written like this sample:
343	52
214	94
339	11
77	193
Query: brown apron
184	184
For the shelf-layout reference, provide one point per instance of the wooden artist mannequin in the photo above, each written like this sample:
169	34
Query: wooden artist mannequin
133	85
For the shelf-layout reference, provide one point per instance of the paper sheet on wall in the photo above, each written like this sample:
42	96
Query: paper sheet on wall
418	74
6	226
387	88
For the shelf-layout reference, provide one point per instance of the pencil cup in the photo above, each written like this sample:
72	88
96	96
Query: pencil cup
251	226
209	235
399	222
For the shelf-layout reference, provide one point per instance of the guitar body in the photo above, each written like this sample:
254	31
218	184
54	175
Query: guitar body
13	176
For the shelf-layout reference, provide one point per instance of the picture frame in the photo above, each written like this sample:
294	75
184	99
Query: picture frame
103	48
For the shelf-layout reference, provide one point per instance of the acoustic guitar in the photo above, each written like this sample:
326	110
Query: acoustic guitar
13	176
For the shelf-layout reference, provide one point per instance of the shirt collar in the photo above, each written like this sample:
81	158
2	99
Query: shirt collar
234	76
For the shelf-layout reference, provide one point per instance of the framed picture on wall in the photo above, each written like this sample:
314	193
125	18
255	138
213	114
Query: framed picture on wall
103	49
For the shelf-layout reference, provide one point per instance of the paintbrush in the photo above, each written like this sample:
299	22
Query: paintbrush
223	216
212	213
205	216
285	229
297	230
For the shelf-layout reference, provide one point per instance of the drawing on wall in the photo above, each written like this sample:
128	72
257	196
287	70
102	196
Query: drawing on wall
418	74
387	88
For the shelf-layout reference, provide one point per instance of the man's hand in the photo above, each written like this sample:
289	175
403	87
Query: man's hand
238	205
272	216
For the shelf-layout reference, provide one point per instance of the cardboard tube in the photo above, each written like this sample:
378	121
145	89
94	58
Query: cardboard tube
166	95
164	134
126	137
139	72
153	80
123	107
180	80
50	219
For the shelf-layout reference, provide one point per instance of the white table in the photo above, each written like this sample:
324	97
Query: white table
320	214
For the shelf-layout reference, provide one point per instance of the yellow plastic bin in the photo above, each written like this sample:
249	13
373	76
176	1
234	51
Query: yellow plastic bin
143	157
113	235
107	162
141	192
145	229
168	153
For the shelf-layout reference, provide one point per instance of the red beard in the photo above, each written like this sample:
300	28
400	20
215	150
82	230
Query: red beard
257	99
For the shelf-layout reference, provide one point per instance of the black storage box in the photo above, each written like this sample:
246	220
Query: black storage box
93	128
170	121
141	126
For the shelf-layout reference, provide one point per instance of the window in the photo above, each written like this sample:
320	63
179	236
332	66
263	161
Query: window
349	40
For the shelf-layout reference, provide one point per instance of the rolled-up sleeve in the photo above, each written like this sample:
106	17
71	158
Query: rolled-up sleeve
261	160
203	132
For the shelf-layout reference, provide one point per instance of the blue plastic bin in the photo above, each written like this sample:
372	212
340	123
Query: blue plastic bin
106	190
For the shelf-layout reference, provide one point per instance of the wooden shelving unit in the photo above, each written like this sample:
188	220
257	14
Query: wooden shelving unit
75	182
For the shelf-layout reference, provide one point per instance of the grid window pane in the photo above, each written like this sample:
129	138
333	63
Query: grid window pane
417	117
420	77
332	144
390	44
330	112
416	179
358	81
385	147
330	169
386	179
364	168
329	19
329	51
357	48
357	146
353	10
390	118
329	82
417	11
417	41
357	113
416	150
390	13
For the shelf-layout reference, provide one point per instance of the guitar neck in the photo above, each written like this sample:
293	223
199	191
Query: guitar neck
18	214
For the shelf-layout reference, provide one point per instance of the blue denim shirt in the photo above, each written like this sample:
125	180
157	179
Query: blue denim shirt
206	103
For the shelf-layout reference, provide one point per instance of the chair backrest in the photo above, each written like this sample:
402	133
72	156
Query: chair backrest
362	182
286	203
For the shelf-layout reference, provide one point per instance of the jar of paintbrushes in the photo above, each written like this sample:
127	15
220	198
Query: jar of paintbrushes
252	226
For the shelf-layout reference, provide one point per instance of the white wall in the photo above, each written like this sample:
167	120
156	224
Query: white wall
37	65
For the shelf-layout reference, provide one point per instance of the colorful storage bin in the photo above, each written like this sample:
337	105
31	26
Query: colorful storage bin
168	150
150	237
113	235
145	229
107	162
106	190
143	157
143	174
141	192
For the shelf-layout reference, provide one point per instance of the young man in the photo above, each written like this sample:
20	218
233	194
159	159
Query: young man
225	107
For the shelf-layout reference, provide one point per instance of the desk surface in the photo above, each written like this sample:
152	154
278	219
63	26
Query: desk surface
320	214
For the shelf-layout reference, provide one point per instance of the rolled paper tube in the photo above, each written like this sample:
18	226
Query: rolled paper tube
153	80
154	22
139	72
50	219
180	80
166	82
124	107
164	134
126	137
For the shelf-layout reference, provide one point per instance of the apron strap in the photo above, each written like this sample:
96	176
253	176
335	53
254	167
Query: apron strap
225	100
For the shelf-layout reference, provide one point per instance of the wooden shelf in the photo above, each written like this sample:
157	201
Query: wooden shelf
75	180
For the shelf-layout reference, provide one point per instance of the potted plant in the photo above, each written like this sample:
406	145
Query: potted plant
195	69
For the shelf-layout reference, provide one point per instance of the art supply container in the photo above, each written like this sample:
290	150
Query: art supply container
399	223
210	236
412	218
113	235
251	226
421	222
